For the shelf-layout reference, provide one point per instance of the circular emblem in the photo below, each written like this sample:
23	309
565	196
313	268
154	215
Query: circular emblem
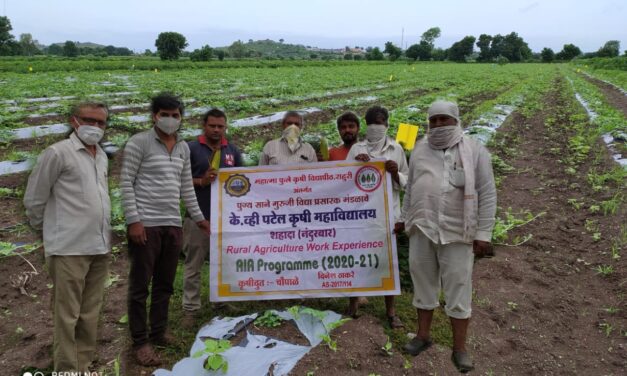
237	185
368	178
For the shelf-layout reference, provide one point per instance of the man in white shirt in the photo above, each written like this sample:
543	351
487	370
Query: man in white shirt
290	147
67	197
448	211
378	145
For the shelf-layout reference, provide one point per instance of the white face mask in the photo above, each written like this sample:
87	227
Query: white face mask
89	134
168	125
444	137
291	134
376	132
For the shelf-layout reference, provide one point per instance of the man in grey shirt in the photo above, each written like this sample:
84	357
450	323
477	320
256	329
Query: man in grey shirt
448	211
156	174
289	148
67	197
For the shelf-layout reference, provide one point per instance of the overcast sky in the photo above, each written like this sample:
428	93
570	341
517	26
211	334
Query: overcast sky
323	23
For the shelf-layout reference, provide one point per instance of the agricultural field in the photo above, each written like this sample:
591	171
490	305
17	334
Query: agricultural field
552	301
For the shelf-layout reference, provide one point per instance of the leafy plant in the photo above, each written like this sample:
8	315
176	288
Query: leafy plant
504	225
214	349
269	320
607	328
9	249
387	348
611	206
604	270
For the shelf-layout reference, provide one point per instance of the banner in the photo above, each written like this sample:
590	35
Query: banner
301	231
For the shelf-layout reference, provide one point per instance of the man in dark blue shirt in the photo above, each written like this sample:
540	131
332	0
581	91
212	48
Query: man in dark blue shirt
208	153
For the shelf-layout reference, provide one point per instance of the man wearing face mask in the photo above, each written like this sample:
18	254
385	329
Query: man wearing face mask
379	145
208	153
67	197
156	175
290	148
448	211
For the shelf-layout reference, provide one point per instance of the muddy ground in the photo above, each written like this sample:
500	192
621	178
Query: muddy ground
543	307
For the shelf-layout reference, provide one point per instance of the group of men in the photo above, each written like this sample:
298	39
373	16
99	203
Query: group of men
448	213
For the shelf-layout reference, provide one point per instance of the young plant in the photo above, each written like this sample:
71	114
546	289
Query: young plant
214	349
268	320
387	348
605	270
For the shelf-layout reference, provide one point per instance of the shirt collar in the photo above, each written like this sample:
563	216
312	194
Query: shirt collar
203	140
156	135
78	144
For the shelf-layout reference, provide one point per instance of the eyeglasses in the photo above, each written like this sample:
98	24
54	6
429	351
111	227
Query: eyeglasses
92	121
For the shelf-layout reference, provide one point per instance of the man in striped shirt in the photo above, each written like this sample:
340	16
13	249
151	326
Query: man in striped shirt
156	174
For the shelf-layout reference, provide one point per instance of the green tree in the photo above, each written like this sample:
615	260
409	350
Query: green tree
7	40
568	52
611	48
412	51
392	51
205	53
55	49
237	49
547	55
424	49
220	54
170	45
483	43
348	56
515	48
70	49
497	46
28	45
374	53
431	35
459	51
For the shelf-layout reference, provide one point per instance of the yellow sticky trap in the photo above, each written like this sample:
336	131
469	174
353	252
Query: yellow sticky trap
406	135
324	149
215	160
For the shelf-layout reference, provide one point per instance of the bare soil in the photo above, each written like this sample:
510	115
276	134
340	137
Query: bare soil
614	96
539	308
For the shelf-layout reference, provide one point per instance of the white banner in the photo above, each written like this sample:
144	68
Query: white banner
300	231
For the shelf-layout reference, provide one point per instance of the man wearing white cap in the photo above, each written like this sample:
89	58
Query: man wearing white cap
448	212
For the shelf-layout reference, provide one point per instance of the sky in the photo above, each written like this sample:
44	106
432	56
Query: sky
322	23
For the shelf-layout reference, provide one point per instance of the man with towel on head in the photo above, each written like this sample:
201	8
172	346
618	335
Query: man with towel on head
448	212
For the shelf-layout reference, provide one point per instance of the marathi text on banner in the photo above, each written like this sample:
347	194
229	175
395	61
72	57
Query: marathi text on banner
293	231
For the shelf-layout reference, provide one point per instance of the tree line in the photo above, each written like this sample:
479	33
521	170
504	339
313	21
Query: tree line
171	45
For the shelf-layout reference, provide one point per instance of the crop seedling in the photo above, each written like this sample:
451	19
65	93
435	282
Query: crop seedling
576	204
607	328
612	205
214	349
268	320
614	251
611	310
605	270
387	348
503	226
512	306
